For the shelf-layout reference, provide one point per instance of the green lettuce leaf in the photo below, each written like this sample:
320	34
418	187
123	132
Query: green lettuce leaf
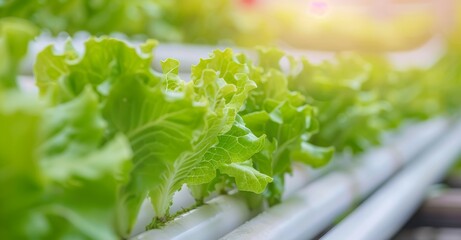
285	118
246	177
66	174
15	35
85	171
352	116
223	80
20	173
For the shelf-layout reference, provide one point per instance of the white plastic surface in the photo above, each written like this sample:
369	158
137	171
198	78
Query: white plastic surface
394	203
223	213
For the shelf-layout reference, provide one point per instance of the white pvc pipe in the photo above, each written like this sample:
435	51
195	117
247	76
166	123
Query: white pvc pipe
301	176
383	214
308	212
181	199
223	213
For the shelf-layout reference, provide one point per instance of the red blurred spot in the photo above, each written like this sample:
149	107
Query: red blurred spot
249	3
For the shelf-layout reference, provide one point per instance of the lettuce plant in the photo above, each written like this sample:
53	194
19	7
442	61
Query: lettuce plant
180	132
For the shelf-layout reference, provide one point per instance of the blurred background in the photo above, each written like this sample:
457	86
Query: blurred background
314	24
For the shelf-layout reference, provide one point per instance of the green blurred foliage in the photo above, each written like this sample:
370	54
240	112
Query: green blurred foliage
193	21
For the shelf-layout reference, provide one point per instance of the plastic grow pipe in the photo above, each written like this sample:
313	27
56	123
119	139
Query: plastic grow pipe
301	176
382	215
225	213
305	214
